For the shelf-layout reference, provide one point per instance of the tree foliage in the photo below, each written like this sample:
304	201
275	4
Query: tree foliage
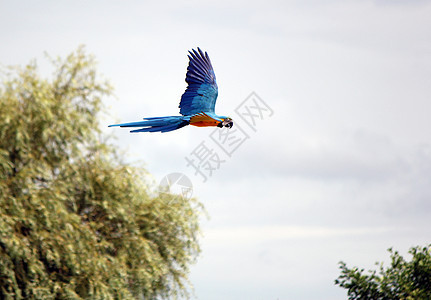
75	221
401	280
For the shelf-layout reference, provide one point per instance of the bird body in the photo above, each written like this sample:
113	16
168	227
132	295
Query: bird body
197	106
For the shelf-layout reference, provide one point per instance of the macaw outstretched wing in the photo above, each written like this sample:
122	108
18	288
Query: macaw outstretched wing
201	93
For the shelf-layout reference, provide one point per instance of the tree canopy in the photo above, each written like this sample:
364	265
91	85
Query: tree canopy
401	280
76	222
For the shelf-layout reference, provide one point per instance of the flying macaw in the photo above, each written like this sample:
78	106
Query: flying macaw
197	103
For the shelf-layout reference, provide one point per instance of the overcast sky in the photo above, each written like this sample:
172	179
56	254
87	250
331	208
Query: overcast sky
341	169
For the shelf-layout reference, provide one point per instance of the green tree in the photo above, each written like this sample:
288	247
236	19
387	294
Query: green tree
75	221
401	280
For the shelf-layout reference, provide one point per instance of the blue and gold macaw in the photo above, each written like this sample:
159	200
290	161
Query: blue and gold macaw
197	103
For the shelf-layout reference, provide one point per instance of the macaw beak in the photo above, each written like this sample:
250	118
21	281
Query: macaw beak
228	122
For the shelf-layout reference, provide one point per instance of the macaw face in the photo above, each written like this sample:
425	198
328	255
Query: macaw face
228	122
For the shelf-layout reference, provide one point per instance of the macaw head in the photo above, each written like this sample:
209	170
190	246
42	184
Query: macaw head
227	122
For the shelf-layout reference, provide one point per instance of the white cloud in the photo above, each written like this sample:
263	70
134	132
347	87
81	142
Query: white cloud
274	233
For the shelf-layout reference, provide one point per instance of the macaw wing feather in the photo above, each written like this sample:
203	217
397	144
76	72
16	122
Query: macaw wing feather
201	93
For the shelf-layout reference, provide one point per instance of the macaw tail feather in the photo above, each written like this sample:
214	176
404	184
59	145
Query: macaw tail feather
162	124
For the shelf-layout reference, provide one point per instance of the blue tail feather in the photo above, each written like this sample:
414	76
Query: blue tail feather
162	124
